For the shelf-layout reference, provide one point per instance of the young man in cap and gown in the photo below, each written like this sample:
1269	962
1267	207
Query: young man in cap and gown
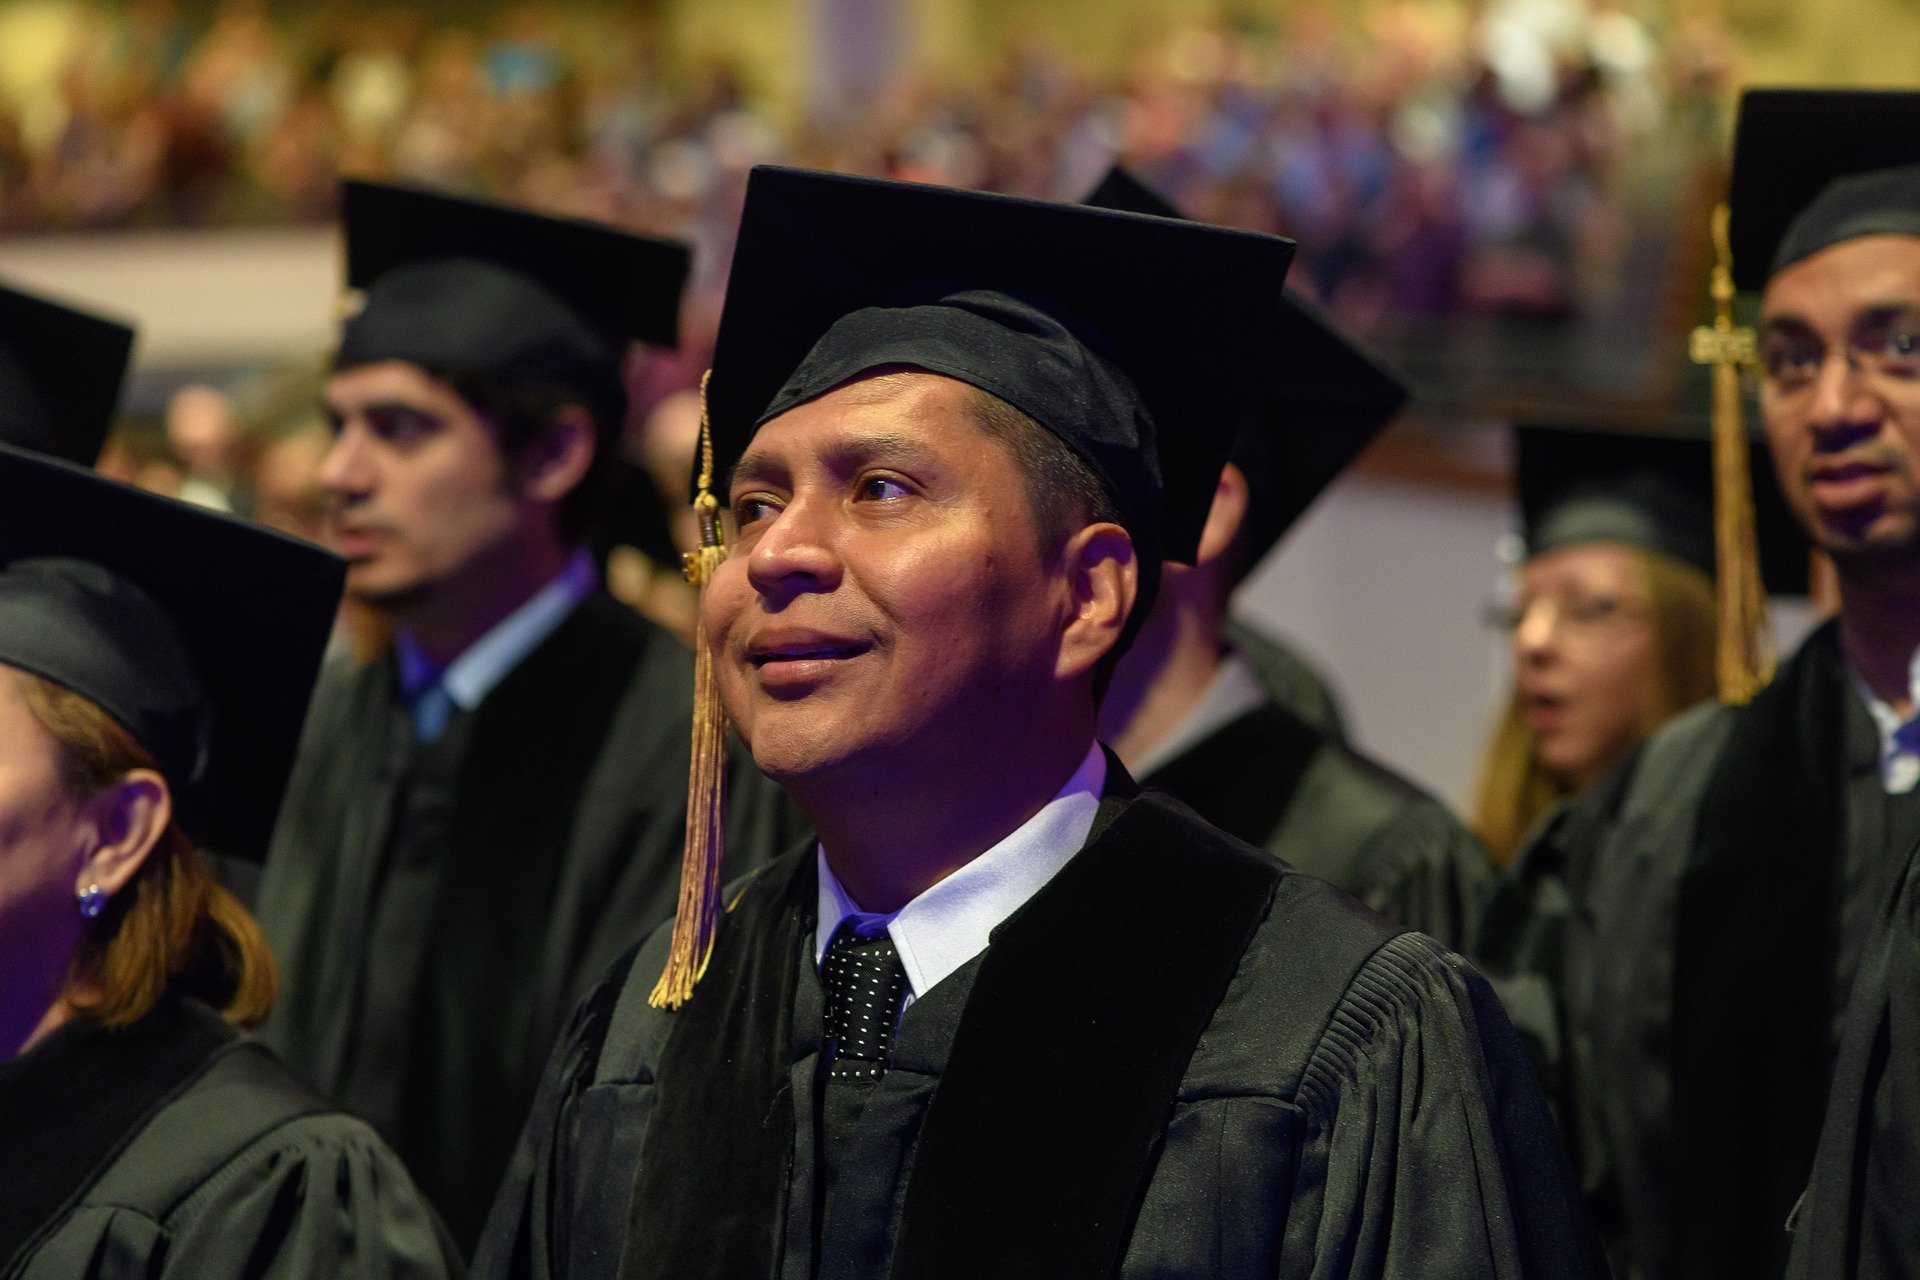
488	810
1861	269
1730	883
1219	715
1011	1016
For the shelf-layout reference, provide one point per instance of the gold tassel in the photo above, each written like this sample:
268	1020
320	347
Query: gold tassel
697	916
1745	649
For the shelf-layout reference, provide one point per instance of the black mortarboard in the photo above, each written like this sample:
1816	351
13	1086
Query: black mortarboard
466	286
1651	492
60	376
200	634
1320	399
1815	167
1134	340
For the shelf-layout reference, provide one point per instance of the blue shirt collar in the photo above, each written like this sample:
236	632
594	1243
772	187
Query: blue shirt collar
469	678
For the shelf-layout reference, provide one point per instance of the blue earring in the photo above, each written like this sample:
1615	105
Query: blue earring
93	900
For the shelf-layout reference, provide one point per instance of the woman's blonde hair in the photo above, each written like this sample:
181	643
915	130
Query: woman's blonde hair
1514	791
173	924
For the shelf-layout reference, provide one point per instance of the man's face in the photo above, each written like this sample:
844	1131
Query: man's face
885	590
1840	394
418	485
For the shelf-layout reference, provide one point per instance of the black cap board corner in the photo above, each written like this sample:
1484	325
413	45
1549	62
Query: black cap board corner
1813	167
251	609
1186	312
1322	397
625	286
61	371
1654	491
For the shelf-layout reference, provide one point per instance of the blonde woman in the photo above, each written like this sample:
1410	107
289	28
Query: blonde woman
1612	625
155	663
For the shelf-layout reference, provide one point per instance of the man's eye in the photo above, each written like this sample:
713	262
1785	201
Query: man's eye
1791	359
882	488
748	510
401	426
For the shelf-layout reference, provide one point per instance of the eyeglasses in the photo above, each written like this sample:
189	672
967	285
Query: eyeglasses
1884	344
1579	614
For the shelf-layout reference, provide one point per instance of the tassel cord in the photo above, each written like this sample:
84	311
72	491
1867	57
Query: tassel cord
696	918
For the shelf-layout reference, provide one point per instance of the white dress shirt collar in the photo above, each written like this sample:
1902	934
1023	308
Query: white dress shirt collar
1899	739
950	923
1234	691
469	678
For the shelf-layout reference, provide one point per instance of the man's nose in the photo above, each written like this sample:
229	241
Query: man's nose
796	554
1845	408
345	471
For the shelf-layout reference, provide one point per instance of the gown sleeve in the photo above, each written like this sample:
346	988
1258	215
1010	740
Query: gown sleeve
318	1197
527	1233
1427	1149
1437	873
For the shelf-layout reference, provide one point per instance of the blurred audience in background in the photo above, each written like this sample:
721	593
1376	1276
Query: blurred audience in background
1502	161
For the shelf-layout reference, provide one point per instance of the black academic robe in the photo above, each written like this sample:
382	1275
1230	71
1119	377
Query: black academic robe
176	1148
1678	944
1179	1059
1292	681
1276	781
1857	1218
438	909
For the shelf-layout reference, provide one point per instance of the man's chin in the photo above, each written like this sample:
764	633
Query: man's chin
367	586
1884	541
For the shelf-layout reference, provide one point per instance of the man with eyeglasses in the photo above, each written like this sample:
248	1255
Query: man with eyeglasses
1730	881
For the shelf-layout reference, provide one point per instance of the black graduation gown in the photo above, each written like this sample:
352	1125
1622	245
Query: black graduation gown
437	911
176	1148
1678	944
1857	1218
1179	1059
1288	677
1276	781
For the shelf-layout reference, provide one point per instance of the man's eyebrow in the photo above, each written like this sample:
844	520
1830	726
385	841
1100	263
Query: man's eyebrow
759	467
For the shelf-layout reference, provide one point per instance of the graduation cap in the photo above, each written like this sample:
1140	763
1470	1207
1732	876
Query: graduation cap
468	286
60	375
200	634
1135	340
1815	167
1319	401
1654	492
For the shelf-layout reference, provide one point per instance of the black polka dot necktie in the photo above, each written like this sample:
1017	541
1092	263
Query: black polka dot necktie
865	987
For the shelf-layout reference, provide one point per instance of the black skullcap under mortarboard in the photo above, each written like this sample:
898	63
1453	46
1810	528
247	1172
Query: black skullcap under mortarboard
1319	401
471	287
60	376
1815	167
200	634
1646	491
1132	339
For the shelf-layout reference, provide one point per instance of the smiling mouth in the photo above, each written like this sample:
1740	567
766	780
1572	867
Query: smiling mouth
797	654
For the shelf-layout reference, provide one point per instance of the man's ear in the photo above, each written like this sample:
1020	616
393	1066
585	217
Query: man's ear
128	818
1226	516
553	466
1104	576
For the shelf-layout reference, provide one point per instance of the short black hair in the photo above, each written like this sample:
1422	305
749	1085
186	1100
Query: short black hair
1065	496
520	414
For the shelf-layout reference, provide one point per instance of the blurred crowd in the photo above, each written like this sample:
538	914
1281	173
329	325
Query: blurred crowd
1428	161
